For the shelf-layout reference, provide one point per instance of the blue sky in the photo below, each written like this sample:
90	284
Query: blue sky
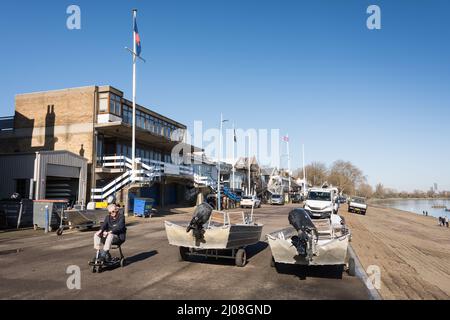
311	68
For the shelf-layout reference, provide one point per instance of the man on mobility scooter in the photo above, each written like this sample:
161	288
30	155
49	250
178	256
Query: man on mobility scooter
111	233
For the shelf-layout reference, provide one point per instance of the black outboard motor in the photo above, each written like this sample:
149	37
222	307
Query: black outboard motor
202	214
300	220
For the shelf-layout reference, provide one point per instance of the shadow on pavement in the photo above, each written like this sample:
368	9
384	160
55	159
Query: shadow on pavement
141	256
303	272
251	251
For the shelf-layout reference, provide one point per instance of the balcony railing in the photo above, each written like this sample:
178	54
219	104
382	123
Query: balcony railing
162	168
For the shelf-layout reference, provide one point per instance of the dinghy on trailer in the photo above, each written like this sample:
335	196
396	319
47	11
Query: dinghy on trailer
210	232
312	242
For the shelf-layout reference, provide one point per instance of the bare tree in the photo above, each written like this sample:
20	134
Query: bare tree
345	176
379	191
365	190
316	173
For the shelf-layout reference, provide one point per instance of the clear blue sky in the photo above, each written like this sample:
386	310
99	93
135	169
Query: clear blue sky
310	68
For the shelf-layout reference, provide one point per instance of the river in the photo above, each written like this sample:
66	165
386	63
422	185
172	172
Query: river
417	206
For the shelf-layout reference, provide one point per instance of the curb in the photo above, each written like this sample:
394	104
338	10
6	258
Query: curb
361	273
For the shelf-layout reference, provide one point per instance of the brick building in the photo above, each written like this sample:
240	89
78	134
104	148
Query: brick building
95	123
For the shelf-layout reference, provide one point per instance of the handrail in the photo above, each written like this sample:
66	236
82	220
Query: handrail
147	171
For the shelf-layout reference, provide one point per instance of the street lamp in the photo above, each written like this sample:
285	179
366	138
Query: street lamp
219	200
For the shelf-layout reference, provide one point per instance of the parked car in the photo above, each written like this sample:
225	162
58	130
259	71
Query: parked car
277	199
250	201
357	205
342	199
297	198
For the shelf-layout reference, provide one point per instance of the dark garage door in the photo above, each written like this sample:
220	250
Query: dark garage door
58	188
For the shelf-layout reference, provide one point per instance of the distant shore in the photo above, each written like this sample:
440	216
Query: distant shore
390	199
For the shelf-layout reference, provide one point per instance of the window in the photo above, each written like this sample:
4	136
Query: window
127	114
138	118
103	104
141	121
115	105
119	149
151	123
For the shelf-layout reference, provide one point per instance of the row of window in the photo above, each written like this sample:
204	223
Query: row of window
143	120
145	154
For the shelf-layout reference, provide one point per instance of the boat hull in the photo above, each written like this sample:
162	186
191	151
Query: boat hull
328	252
222	237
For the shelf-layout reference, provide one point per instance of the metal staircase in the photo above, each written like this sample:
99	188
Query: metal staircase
143	174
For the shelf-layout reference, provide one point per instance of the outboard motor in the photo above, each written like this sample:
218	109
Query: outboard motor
202	214
300	220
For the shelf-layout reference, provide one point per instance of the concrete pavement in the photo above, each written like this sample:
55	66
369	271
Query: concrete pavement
33	266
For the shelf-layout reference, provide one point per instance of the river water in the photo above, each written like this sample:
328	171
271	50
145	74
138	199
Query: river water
418	206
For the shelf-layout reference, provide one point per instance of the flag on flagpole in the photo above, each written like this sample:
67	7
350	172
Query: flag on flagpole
137	39
235	137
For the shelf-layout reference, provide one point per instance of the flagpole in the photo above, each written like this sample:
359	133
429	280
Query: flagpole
304	173
289	165
133	143
249	165
234	160
219	200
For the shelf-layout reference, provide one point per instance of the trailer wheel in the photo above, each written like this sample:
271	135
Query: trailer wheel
183	253
241	258
351	267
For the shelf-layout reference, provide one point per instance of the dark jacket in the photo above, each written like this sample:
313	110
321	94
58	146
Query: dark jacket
116	226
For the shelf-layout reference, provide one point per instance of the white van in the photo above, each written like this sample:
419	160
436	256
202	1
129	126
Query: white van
321	203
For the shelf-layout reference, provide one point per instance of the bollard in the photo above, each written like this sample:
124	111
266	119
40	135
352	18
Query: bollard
46	219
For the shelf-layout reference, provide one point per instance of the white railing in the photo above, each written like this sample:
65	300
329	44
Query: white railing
204	181
146	172
122	162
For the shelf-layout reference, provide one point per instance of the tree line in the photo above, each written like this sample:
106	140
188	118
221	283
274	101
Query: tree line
351	181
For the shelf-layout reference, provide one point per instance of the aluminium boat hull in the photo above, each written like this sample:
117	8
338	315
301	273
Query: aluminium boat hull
328	252
216	237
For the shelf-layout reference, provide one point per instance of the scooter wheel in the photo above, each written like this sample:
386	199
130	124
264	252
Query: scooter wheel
59	232
122	262
94	269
